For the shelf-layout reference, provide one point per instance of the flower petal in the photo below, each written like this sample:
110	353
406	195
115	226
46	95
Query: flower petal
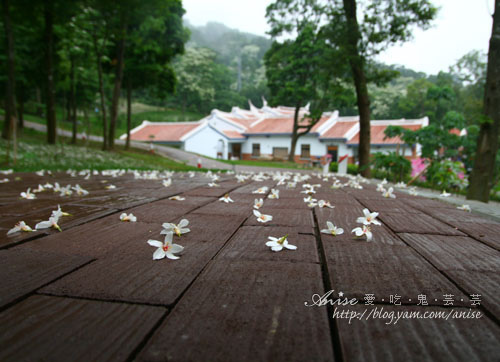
155	243
158	254
171	256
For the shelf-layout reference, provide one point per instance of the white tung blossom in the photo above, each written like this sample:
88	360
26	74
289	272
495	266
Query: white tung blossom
258	203
28	195
226	199
368	218
262	217
332	229
177	229
166	249
20	226
364	230
129	217
278	244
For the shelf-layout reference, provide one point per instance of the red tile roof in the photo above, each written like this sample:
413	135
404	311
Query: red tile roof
377	135
170	132
245	122
339	130
280	125
234	134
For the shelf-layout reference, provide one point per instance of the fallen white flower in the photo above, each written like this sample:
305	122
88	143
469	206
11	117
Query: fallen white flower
110	187
51	223
277	244
165	249
258	203
213	184
323	203
364	230
40	188
20	226
275	194
445	194
177	198
129	217
261	190
332	229
179	229
261	217
58	213
464	207
389	194
28	195
369	218
79	190
226	199
167	182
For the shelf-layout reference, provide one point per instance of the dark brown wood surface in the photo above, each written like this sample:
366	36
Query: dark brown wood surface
93	292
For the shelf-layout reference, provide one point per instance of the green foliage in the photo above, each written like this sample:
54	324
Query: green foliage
446	175
392	165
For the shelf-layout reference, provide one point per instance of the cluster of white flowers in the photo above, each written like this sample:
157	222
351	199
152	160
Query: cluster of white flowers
167	249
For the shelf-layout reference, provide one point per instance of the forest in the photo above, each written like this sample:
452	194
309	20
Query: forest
93	65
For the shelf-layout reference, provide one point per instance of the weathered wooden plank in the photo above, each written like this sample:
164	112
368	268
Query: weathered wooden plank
249	243
283	217
246	311
357	268
131	275
24	271
484	231
430	339
95	239
455	252
44	328
345	216
161	211
390	205
417	223
485	285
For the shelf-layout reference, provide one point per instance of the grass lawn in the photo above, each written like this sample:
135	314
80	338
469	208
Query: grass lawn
34	154
140	112
275	164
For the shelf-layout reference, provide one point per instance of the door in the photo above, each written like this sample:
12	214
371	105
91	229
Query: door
236	150
333	150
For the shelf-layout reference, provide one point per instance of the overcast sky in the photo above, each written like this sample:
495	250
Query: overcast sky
461	26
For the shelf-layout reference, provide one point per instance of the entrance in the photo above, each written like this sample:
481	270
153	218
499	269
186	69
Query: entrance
333	150
236	151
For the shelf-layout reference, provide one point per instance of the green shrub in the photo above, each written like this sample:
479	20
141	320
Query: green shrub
395	166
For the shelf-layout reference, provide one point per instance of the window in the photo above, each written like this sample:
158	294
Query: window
255	149
280	152
305	151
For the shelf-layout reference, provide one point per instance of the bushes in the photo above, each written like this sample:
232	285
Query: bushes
351	169
391	165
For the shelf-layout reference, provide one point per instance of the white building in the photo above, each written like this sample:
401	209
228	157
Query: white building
265	133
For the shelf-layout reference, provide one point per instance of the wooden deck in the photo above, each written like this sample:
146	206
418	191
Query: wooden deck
93	293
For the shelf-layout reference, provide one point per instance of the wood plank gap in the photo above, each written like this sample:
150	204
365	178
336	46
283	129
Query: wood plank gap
338	352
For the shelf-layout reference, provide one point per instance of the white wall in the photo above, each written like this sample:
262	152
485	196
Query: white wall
267	143
205	142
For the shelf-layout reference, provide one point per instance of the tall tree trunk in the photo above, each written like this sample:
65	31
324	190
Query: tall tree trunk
20	108
481	179
357	67
72	102
118	84
129	112
101	94
87	121
291	155
10	100
49	51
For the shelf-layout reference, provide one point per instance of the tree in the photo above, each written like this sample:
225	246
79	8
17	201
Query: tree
154	42
481	178
384	23
296	75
